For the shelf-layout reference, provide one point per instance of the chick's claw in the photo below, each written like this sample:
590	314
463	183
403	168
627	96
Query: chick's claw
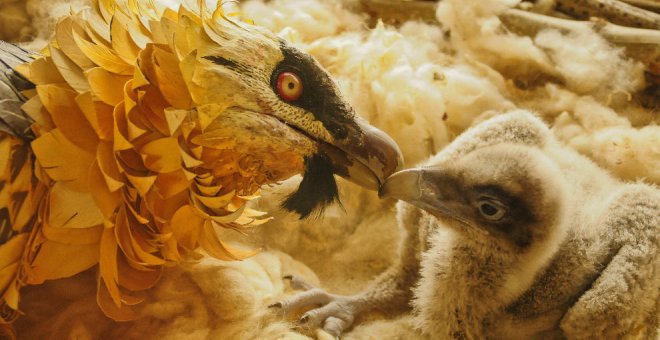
298	283
334	313
310	298
334	317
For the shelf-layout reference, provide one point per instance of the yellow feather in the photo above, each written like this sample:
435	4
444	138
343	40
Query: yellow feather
57	260
107	86
160	155
62	160
103	56
126	175
10	253
72	209
65	41
60	101
98	114
69	70
122	42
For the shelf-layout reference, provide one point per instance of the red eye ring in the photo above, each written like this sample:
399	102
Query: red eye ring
289	86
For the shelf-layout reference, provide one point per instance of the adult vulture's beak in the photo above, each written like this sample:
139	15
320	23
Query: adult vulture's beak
367	158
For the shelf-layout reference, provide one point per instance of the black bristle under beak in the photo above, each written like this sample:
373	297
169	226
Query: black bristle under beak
367	158
317	189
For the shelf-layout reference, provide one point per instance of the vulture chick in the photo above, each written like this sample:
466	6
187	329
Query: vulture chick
510	235
139	130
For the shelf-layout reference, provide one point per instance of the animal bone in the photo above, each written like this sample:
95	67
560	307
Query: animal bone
649	5
641	43
520	21
614	11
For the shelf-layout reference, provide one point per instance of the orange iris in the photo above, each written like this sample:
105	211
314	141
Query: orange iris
289	86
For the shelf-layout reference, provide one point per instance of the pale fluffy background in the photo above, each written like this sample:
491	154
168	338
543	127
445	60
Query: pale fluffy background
423	87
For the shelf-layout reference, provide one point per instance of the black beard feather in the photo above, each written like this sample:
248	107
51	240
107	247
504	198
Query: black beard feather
317	190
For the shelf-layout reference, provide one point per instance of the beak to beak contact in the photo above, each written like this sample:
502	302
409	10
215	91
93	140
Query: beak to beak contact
369	160
404	185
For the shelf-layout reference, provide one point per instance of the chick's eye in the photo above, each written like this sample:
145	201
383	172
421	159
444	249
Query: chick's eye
491	211
289	86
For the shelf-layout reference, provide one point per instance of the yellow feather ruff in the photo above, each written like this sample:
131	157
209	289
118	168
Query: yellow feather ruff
126	173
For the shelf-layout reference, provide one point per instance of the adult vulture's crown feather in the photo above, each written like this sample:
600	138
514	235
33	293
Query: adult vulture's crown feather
140	129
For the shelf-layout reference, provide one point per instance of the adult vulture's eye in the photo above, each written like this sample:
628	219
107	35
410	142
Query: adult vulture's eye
289	86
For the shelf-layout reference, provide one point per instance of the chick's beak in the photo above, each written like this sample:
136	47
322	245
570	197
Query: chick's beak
426	188
406	185
367	158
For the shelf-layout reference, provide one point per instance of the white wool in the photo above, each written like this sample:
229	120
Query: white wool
550	100
398	328
470	94
629	153
477	34
231	298
589	64
208	299
327	20
583	59
594	116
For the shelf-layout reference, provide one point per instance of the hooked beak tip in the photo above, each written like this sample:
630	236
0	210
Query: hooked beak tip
380	153
369	161
403	185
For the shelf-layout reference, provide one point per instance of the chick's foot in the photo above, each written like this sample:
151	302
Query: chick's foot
334	313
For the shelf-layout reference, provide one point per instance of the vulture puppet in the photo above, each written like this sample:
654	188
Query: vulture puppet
139	130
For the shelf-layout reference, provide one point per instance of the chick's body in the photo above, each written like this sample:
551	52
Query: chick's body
595	274
572	254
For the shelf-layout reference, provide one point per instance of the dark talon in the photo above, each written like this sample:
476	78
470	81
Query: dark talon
275	305
288	277
304	319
